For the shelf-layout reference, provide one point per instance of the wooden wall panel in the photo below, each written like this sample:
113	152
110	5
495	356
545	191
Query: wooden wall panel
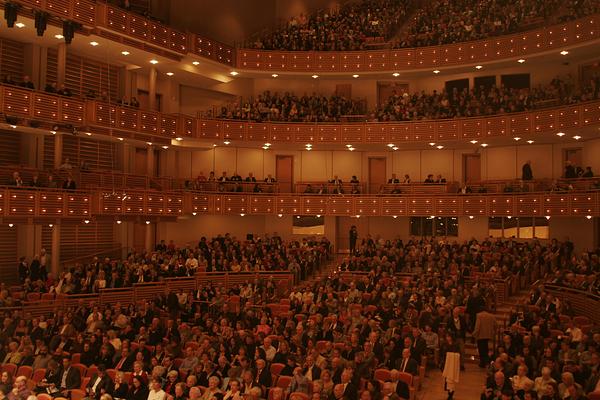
12	56
8	256
98	154
79	240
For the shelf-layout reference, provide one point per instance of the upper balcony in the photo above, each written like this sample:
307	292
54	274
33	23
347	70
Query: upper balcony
132	30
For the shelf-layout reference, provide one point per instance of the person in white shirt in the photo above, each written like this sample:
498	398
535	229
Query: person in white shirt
156	392
521	381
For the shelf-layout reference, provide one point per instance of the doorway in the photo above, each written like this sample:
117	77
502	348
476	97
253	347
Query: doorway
377	173
284	171
471	168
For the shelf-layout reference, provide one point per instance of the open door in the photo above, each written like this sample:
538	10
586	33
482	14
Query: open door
284	171
377	173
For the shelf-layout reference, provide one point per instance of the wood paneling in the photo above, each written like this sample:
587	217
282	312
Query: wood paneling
78	240
8	255
12	59
97	154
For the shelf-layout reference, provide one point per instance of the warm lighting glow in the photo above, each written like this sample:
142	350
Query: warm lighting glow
149	143
576	137
267	144
125	53
87	221
315	76
179	139
478	66
521	60
153	61
390	145
234	73
265	147
50	225
395	148
436	71
484	145
355	76
394	216
10	225
280	215
196	63
348	145
242	214
351	148
13	126
147	222
94	43
165	147
121	139
194	213
118	222
471	217
432	144
564	53
59	36
274	75
53	132
170	74
396	74
530	141
226	142
547	217
517	138
440	147
20	25
473	141
89	133
588	216
561	134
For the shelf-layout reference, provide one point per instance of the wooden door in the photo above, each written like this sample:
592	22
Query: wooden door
141	162
284	171
471	168
377	173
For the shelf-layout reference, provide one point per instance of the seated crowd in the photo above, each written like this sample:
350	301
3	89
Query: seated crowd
342	338
288	107
351	28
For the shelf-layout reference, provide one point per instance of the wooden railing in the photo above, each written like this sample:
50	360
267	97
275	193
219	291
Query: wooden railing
121	26
583	303
159	128
146	292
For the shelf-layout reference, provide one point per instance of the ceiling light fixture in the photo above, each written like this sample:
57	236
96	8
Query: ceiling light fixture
395	148
165	147
234	73
149	143
170	74
125	53
89	133
59	36
179	139
530	141
561	134
267	144
196	63
517	138
348	145
121	139
521	60
20	25
390	145
436	71
484	145
478	66
432	144
119	222
308	145
265	147
226	142
564	53
153	61
274	75
355	76
351	148
473	141
53	132
94	43
147	222
440	147
315	76
396	74
576	137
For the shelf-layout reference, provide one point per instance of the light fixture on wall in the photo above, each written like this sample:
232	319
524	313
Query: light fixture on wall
395	148
315	76
530	141
484	145
355	76
10	225
473	141
94	43
588	216
436	71
226	142
390	145
396	74
147	222
125	53
561	134
196	63
118	222
274	75
521	60
576	137
564	53
179	139
234	73
153	61
516	138
440	147
478	67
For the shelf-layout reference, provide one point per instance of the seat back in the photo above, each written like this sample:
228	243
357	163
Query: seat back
76	358
298	396
38	375
382	374
77	394
25	370
284	381
276	368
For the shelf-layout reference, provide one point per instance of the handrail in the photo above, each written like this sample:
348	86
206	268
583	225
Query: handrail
583	303
101	253
159	128
120	26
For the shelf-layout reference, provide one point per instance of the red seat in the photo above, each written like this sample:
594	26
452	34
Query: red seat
82	369
276	368
10	368
298	396
38	375
76	358
77	394
25	370
84	382
91	371
44	396
33	296
581	320
382	374
284	381
594	396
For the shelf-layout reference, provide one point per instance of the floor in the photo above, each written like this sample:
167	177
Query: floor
469	387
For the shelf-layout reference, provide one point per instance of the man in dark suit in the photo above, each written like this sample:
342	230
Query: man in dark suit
99	384
311	371
457	326
401	388
350	389
407	363
70	378
418	346
123	361
263	376
335	326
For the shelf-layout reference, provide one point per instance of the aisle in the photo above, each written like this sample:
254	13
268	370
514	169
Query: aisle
471	384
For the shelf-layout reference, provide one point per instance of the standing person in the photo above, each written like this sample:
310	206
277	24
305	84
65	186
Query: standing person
527	172
353	239
485	328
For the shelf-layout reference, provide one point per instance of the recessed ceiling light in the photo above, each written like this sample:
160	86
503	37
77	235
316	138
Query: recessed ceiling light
147	222
587	216
274	75
226	142
94	43
390	145
432	144
308	145
561	134
179	139
265	147
517	138
308	148
153	61
53	132
436	71
470	217
89	133
315	76
564	53
59	36
149	143
440	147
396	74
125	53
351	148
484	145
170	74
394	148
165	147
20	25
121	139
530	141
267	144
521	60
576	137
478	66
473	141
119	221
355	76
196	63
234	73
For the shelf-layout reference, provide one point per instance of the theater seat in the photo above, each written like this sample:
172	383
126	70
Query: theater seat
298	396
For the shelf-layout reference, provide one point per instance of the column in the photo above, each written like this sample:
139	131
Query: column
55	251
152	88
148	245
58	146
61	64
150	161
33	64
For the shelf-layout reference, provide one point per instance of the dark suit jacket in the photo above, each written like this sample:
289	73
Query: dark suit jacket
403	390
73	380
351	391
458	333
316	372
264	379
105	383
412	366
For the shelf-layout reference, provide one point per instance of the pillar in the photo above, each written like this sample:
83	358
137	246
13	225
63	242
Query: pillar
148	245
33	64
152	75
58	146
55	251
61	64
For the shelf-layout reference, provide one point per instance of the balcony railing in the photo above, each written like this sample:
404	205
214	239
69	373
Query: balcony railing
16	204
121	26
159	128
